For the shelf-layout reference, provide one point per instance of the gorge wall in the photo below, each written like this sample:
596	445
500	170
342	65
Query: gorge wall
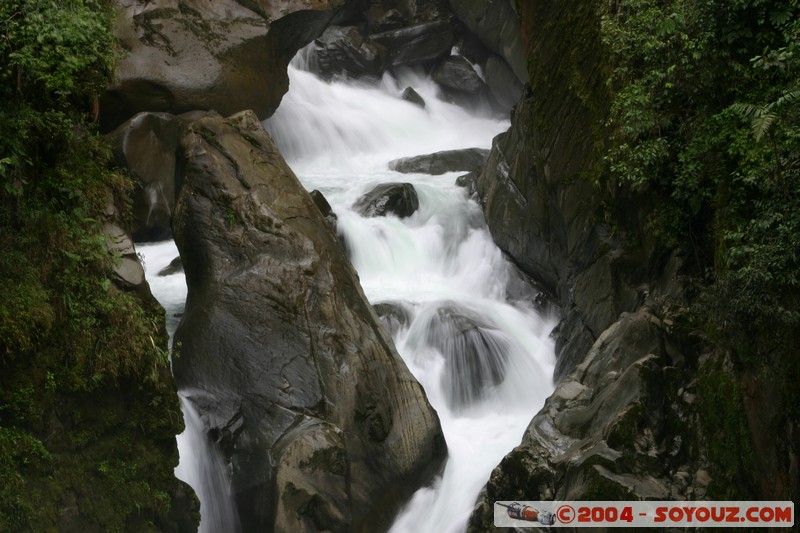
609	431
631	414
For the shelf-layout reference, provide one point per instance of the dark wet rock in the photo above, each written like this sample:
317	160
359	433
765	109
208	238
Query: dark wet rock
175	267
475	353
417	44
395	316
556	208
503	84
321	423
324	207
497	25
410	95
467	159
398	199
345	52
146	145
456	73
469	181
606	431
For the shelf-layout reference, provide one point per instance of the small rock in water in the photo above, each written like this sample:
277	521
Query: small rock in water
475	353
467	160
388	198
410	95
175	266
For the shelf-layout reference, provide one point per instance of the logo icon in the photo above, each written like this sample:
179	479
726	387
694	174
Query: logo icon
528	513
565	514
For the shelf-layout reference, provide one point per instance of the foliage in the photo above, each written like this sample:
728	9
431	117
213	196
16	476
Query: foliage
705	128
83	363
20	453
725	425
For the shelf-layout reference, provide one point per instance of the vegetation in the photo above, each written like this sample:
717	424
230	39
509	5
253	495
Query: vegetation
705	128
88	411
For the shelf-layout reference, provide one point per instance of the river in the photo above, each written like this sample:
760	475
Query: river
467	331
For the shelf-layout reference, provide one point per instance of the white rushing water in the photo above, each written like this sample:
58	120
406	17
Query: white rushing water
486	364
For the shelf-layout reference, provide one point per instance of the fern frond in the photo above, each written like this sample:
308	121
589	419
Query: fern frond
761	124
748	111
788	99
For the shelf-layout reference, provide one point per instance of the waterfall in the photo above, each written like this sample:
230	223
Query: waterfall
436	278
203	468
201	465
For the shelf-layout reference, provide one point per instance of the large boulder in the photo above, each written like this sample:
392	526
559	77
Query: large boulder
456	73
466	159
183	55
321	422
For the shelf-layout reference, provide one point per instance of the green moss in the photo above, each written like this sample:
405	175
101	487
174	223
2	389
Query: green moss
598	487
20	455
88	409
727	437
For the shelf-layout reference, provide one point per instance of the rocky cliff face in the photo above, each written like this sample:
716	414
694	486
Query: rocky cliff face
322	424
642	410
496	24
536	179
620	423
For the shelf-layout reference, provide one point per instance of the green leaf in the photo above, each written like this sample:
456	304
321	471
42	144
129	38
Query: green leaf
780	17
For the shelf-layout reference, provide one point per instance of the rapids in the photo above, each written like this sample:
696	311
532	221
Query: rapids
483	354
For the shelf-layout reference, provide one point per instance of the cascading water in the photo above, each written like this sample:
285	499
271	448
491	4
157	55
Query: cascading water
436	277
201	464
